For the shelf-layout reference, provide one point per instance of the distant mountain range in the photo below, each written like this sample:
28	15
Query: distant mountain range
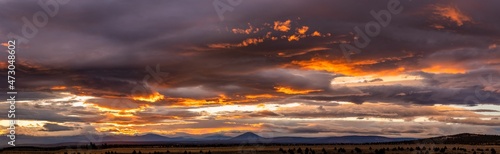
254	138
248	138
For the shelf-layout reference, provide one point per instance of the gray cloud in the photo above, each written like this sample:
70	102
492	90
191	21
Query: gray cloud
56	127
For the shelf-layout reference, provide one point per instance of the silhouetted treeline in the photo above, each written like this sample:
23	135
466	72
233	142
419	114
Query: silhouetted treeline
402	147
399	149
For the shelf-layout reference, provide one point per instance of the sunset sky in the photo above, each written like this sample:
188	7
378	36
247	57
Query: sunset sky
176	68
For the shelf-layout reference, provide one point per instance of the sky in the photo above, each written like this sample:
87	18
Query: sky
281	68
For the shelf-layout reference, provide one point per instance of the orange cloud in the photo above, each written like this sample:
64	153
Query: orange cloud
219	45
221	100
293	38
288	90
244	43
492	46
330	66
452	13
316	33
341	67
444	69
111	113
282	26
58	88
5	44
259	96
251	41
119	130
249	30
3	65
150	98
438	26
302	30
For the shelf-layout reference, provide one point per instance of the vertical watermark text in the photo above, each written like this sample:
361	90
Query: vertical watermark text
11	92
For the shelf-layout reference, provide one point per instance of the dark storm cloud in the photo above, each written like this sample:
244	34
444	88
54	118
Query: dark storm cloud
417	95
45	115
313	129
30	96
101	49
159	117
484	78
56	127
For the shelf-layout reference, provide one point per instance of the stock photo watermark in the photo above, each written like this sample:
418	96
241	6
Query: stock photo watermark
485	80
29	29
11	93
371	29
31	25
222	6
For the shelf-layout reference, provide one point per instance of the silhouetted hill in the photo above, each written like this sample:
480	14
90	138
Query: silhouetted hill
335	140
465	138
246	136
250	137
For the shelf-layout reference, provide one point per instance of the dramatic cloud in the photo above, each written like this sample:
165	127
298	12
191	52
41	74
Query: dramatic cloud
269	67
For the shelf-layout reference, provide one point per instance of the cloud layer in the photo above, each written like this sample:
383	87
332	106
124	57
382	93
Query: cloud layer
174	67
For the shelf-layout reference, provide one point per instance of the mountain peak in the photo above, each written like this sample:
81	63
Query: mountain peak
247	136
152	135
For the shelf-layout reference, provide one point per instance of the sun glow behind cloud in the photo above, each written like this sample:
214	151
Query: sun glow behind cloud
403	79
291	91
444	69
155	96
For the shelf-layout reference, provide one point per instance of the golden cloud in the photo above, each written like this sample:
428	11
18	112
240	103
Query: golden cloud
282	26
316	33
58	88
302	30
334	66
437	26
251	41
249	30
149	98
452	13
444	69
288	90
219	45
259	96
293	38
221	100
355	68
